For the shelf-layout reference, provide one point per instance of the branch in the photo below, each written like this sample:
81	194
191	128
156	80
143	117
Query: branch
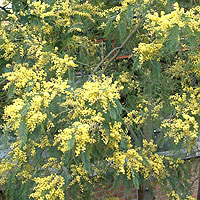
122	45
82	63
117	49
194	181
5	10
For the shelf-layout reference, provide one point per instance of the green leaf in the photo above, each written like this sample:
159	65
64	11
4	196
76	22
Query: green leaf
156	71
23	131
66	157
25	109
119	106
115	182
127	184
172	40
71	76
129	15
122	30
108	28
11	91
5	139
70	143
5	136
136	182
86	159
172	181
135	64
113	111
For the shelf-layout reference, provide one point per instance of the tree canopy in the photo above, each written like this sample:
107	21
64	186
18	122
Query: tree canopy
93	92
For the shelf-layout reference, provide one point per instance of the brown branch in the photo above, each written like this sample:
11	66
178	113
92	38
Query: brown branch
122	45
116	49
5	10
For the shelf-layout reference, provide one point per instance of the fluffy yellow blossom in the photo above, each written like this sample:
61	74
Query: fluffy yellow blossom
134	163
26	173
99	90
34	115
19	156
115	131
79	174
184	125
79	135
174	196
82	137
155	165
52	163
118	161
148	51
5	167
12	113
39	8
63	137
44	142
49	187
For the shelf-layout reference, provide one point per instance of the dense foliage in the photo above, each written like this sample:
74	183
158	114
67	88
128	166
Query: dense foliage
77	116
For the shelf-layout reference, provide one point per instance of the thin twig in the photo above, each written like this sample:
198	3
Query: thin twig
115	49
122	45
82	63
5	10
105	58
194	181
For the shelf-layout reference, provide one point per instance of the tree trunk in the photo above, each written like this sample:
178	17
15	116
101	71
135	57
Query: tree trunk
147	191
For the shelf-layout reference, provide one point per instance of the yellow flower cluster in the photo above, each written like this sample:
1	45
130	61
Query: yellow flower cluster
132	163
126	79
166	21
41	91
156	165
82	137
12	114
174	196
160	24
118	161
38	8
19	156
27	173
34	115
78	173
5	167
194	14
81	134
48	188
148	52
52	163
99	90
195	59
7	46
144	111
184	125
174	163
116	133
61	64
178	69
44	142
30	147
62	137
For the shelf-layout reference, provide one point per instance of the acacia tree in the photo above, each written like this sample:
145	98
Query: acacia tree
77	117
